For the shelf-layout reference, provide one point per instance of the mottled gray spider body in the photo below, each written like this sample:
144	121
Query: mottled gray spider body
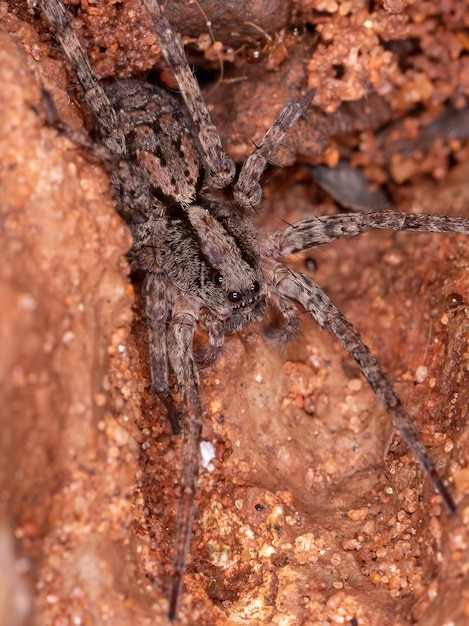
204	262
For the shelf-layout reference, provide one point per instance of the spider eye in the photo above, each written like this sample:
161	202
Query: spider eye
234	296
218	279
255	287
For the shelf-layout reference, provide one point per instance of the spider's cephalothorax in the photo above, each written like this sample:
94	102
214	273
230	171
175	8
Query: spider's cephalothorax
194	239
222	265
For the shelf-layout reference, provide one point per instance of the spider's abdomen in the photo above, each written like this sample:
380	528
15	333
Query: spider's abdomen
159	143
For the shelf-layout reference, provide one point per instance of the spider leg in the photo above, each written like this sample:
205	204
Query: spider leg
221	169
130	202
319	230
216	338
172	341
282	328
95	96
100	151
312	298
111	149
180	346
156	292
247	190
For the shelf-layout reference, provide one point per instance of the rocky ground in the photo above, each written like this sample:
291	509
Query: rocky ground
313	511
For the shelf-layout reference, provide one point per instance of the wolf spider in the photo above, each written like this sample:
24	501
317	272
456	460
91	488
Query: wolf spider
204	263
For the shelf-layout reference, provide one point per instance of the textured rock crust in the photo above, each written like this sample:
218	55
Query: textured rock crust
313	511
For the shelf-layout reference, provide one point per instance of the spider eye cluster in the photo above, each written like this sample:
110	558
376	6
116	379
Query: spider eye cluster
237	297
234	296
218	279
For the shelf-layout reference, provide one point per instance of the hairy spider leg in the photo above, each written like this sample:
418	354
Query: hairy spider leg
313	232
302	289
95	95
247	190
220	168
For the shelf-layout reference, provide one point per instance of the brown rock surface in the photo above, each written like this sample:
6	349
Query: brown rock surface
304	517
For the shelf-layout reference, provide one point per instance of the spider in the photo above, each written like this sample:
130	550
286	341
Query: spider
204	263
